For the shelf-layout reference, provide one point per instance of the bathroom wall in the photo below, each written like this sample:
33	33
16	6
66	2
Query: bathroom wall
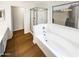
18	18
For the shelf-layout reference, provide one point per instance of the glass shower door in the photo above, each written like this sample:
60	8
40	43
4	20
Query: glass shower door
37	16
42	17
33	19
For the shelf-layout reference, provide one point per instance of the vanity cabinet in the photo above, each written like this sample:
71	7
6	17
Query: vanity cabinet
3	37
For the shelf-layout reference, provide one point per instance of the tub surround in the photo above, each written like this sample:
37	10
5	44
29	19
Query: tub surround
61	41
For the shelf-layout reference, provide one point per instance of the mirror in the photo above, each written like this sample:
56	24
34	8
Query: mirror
66	14
0	14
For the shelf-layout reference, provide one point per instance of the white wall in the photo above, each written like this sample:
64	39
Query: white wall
26	21
18	18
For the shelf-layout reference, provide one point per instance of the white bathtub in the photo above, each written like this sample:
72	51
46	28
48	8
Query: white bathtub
58	41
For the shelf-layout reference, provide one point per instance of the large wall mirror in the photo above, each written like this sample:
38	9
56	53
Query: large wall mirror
66	14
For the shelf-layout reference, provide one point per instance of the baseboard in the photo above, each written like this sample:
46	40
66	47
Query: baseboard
18	30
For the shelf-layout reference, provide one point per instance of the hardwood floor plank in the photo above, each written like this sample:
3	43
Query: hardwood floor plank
21	45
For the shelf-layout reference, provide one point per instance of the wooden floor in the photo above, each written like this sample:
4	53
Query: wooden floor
21	45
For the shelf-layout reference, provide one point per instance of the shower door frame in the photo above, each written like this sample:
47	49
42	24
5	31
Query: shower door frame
36	21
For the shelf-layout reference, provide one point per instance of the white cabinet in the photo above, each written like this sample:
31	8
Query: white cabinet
3	37
3	43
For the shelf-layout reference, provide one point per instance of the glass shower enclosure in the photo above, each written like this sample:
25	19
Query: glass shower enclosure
38	16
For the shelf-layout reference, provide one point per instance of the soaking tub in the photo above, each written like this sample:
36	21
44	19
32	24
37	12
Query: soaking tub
56	40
